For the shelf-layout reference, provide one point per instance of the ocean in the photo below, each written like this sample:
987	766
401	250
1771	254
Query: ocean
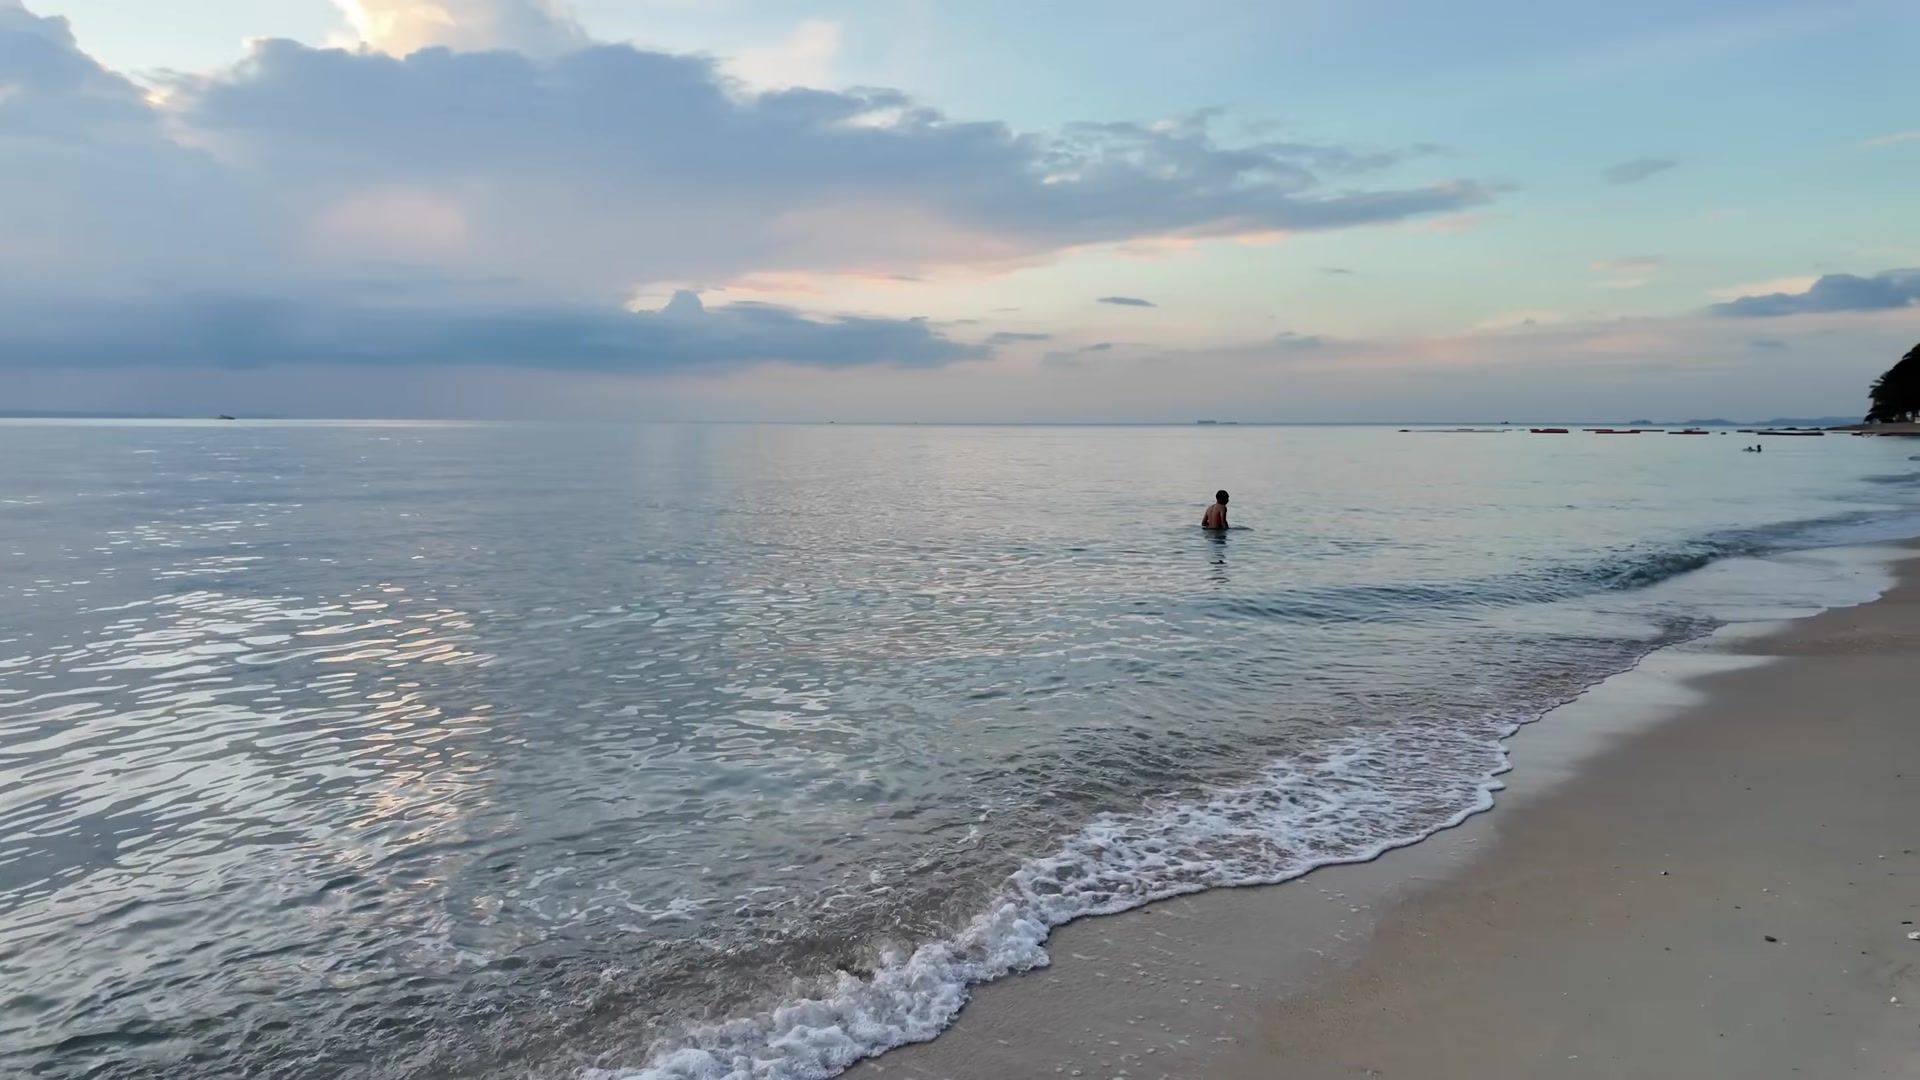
428	749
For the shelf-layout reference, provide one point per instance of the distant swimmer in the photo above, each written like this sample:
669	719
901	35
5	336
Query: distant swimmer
1216	515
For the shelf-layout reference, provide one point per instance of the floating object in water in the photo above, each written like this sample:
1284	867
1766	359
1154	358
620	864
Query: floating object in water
1548	430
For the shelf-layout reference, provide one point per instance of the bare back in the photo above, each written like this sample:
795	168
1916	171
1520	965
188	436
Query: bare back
1215	517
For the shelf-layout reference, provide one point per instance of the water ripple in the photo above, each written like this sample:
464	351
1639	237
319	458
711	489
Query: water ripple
423	750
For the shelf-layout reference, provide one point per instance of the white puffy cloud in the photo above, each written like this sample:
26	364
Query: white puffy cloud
400	27
805	58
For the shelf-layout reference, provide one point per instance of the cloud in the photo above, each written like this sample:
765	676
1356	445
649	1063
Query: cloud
250	330
45	67
1336	270
1887	290
1792	284
1894	139
401	27
1771	344
93	186
1636	170
1295	342
806	58
485	154
1630	264
1071	358
1127	301
615	163
1006	337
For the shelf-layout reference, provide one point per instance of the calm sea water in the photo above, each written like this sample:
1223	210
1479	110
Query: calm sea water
429	749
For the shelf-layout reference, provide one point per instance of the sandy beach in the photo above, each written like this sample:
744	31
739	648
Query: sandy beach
1706	867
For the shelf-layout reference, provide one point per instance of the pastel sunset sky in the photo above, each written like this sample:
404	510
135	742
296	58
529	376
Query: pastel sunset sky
1304	210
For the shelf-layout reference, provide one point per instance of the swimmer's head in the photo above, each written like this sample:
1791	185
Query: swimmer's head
1220	497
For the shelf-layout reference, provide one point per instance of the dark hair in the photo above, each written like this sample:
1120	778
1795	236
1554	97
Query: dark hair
1220	496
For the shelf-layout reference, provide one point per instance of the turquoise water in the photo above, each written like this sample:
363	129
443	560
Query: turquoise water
417	749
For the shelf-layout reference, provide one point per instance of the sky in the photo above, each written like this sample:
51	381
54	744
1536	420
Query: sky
1304	211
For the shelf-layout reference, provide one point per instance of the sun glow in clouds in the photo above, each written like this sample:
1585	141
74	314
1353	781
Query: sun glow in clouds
868	189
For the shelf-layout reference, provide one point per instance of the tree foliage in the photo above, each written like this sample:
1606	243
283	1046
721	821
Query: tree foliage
1896	394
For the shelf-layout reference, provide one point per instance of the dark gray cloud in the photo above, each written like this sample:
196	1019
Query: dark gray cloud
1008	337
1127	301
1636	170
1340	271
1767	343
1884	291
237	330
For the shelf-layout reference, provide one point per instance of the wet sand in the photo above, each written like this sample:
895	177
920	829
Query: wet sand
1704	868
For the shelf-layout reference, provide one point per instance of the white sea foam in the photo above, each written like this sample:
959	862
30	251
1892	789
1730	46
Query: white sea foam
1363	796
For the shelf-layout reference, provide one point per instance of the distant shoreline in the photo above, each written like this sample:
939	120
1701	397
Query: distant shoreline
33	414
1828	423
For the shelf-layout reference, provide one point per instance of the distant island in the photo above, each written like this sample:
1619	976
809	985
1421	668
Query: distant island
1771	422
1775	422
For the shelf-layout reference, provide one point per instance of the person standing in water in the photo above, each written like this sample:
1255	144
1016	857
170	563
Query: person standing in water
1216	515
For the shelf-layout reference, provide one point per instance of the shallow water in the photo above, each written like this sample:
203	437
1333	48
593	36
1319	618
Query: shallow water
415	749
